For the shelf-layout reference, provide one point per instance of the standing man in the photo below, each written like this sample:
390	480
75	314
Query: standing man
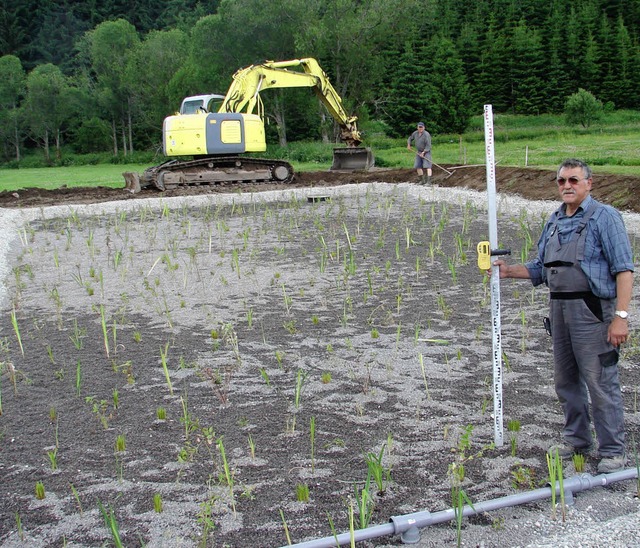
422	140
585	258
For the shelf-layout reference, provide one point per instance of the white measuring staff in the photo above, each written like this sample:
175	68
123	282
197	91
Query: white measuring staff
495	279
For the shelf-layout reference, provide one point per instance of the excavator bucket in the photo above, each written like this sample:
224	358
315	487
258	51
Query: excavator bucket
132	181
352	159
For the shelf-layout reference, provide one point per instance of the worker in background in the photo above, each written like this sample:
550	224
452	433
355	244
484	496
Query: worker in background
585	258
422	140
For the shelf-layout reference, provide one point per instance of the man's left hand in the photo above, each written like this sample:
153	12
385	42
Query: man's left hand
618	331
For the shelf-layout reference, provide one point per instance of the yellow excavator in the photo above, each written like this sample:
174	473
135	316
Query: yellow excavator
218	131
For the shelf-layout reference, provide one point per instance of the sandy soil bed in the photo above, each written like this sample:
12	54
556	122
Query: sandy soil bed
309	337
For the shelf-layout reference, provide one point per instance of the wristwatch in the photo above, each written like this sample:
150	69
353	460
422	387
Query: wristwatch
622	313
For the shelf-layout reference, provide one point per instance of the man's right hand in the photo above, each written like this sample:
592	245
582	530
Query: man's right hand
502	268
519	271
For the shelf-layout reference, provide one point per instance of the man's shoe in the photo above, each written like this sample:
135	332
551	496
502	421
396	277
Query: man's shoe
612	464
566	451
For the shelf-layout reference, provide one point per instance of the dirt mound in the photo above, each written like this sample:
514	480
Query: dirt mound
620	191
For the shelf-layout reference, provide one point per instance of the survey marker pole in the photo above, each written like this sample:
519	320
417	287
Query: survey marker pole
495	278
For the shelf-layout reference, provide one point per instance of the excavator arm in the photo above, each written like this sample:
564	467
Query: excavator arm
244	94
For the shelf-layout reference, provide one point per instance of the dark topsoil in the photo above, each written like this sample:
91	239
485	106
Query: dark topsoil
242	336
621	191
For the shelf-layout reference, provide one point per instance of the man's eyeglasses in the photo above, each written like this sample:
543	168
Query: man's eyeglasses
571	180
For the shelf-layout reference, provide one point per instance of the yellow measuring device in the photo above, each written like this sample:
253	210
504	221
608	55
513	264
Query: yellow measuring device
485	253
484	256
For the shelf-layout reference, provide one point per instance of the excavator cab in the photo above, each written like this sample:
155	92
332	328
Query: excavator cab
199	104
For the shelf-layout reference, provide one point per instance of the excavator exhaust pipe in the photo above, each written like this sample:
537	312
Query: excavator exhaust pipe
352	159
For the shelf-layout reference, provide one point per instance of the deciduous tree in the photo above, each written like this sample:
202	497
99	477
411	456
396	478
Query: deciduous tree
583	108
111	45
12	89
48	106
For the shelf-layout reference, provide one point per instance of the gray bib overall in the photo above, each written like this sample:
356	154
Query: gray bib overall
583	358
565	277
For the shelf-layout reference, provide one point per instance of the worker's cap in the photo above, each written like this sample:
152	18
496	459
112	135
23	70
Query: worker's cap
420	124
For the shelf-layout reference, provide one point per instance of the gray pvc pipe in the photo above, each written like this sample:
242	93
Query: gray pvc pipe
407	525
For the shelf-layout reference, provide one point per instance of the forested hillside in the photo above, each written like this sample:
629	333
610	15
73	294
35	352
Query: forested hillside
102	75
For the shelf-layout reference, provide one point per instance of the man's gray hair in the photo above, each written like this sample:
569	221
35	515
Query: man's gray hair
574	162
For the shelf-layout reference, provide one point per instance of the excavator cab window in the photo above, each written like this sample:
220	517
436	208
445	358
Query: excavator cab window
193	107
198	104
214	104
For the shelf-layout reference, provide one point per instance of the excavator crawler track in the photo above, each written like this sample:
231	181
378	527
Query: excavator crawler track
216	171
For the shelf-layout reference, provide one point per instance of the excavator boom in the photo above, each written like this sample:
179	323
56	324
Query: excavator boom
249	82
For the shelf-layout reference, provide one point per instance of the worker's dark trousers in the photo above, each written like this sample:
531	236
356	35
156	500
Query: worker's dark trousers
584	359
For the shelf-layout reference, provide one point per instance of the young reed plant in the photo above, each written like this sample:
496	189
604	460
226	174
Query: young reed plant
19	527
120	447
513	426
157	503
377	470
302	492
312	437
364	502
563	505
77	336
16	329
190	424
458	508
227	473
288	301
301	376
286	528
105	335
252	447
78	377
165	368
111	524
332	526
76	496
53	458
424	376
556	482
121	443
578	462
265	376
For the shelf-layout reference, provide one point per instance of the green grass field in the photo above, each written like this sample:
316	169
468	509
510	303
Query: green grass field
613	146
108	175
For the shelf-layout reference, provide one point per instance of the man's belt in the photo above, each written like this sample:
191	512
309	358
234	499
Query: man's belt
572	295
593	303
